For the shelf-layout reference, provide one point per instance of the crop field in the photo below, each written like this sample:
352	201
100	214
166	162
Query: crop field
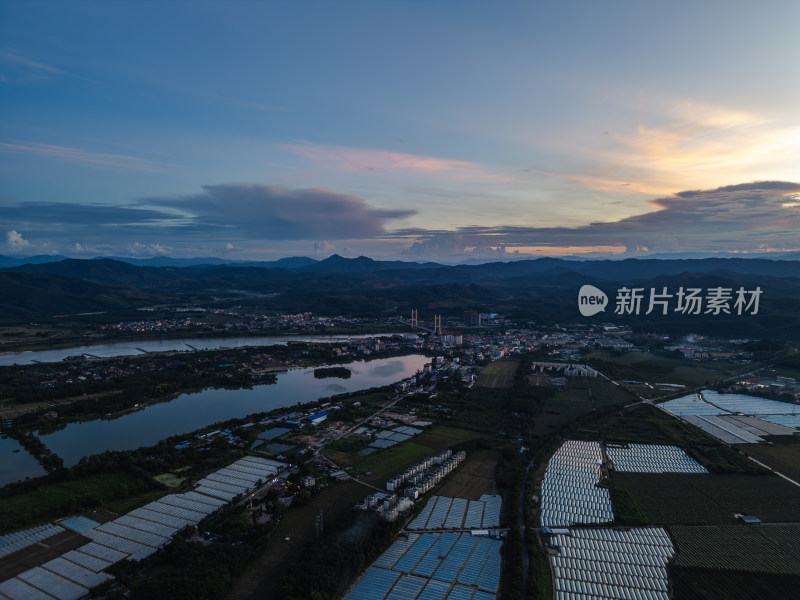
261	578
474	478
765	548
65	497
784	459
657	368
442	437
710	499
579	398
691	583
499	374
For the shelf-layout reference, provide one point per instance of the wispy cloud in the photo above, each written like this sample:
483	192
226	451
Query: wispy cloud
97	160
10	56
342	158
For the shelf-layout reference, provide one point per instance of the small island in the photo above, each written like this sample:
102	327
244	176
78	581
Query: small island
340	372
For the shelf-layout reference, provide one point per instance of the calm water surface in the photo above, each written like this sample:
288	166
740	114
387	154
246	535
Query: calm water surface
112	349
17	465
193	411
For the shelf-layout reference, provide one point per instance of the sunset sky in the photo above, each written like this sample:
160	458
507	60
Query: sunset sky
405	130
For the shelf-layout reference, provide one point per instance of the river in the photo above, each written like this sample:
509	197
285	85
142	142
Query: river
192	411
16	463
130	348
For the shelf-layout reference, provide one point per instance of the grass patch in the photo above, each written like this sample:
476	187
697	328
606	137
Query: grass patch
499	374
784	458
441	437
170	480
67	498
391	461
710	499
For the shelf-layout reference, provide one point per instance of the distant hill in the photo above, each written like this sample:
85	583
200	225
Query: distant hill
10	261
543	290
27	296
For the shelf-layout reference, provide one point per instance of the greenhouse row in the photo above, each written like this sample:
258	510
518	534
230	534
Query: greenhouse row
17	540
709	402
719	415
442	512
134	536
652	458
434	567
613	564
722	430
652	536
749	405
569	494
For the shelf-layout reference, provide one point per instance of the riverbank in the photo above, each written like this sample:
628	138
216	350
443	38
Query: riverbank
54	341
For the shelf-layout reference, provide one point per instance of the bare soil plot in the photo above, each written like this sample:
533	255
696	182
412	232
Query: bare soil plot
40	553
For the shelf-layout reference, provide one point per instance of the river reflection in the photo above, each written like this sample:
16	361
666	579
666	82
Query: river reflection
132	348
16	463
193	411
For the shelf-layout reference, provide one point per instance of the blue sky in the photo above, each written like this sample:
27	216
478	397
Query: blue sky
413	130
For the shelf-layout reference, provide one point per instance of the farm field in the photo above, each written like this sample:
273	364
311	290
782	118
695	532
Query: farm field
783	458
765	548
39	553
499	374
474	478
262	577
646	424
442	436
691	583
657	368
385	463
710	499
576	400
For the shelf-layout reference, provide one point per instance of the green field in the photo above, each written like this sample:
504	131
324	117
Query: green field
765	548
171	480
698	499
691	583
654	367
442	437
581	397
388	462
67	498
499	374
783	458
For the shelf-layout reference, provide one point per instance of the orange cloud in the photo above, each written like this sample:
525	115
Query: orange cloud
342	158
680	144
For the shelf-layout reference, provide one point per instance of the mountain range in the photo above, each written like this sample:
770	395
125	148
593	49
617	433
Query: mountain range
543	290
